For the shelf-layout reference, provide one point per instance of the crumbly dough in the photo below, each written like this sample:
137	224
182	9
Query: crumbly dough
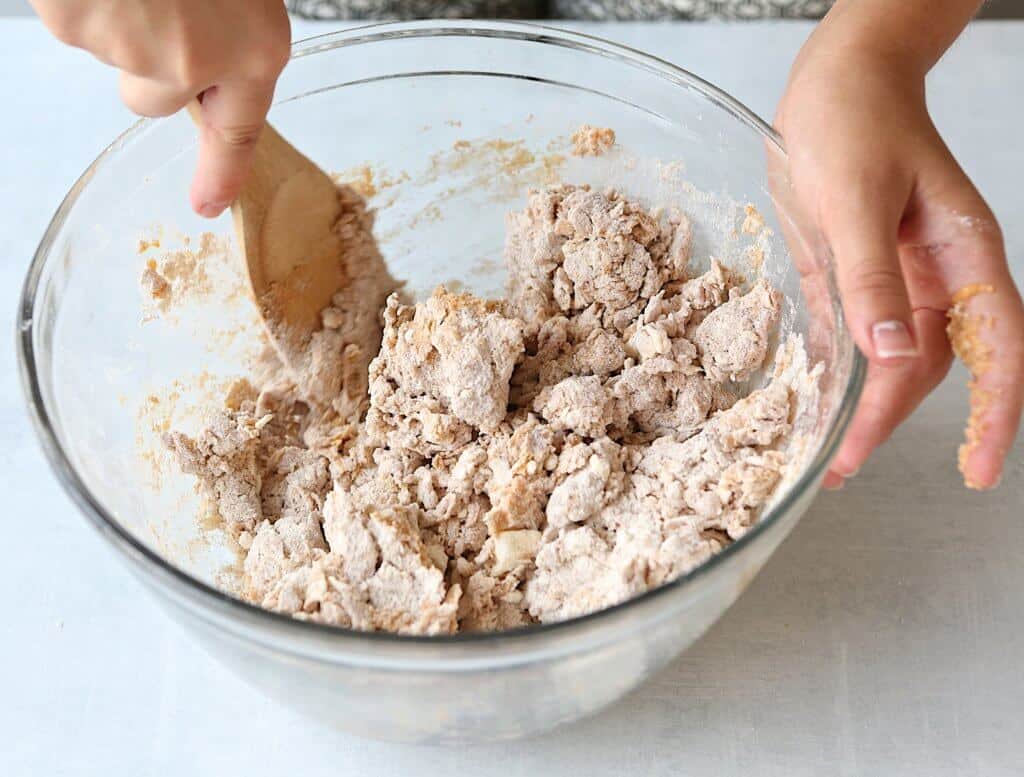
153	283
502	463
592	141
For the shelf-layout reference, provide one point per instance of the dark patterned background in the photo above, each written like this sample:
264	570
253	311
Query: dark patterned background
589	9
419	9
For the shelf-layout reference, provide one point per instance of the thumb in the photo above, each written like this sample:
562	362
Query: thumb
233	116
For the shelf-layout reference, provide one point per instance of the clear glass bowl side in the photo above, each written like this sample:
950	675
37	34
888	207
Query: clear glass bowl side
400	98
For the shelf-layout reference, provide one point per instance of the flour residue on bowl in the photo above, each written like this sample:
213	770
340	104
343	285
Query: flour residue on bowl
370	181
188	273
502	166
193	291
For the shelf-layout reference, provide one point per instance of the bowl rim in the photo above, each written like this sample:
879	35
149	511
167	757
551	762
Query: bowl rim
335	639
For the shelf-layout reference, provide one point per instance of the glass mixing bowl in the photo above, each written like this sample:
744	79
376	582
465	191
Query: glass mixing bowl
454	120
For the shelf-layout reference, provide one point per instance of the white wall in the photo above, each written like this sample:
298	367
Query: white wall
14	8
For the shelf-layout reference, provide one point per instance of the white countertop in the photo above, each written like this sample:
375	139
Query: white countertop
884	638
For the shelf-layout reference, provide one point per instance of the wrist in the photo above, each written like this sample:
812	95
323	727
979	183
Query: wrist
849	50
909	36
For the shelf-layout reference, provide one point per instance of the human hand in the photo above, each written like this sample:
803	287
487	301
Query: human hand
229	52
916	249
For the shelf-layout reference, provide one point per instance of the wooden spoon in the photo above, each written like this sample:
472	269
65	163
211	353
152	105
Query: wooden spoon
284	219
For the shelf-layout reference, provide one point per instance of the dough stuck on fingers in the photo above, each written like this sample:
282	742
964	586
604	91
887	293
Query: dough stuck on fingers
965	335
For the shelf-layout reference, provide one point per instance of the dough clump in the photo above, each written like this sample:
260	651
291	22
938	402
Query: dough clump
503	463
592	141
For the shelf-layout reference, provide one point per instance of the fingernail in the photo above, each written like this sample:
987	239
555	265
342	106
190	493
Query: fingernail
832	481
212	209
977	486
850	474
892	340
